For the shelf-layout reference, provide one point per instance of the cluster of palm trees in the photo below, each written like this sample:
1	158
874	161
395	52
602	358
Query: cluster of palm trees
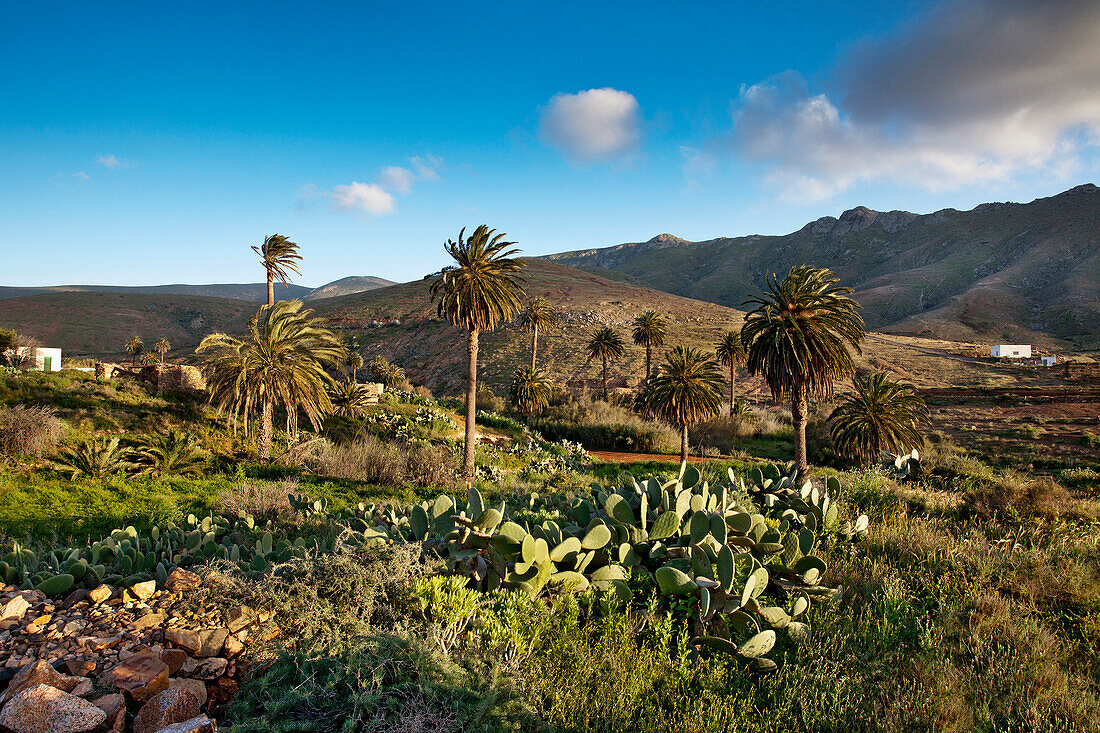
135	347
799	336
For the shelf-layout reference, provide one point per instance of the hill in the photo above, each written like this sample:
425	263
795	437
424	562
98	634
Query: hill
1001	271
255	292
348	286
98	324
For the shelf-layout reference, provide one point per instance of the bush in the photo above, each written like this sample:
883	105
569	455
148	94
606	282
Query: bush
371	460
29	431
727	432
598	425
1017	496
270	499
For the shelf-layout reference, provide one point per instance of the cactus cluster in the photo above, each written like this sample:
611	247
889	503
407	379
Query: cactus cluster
902	466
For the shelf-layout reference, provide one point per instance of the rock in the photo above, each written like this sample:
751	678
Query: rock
240	618
100	593
204	669
199	724
79	667
174	658
232	647
174	705
82	688
142	676
14	609
182	580
143	591
150	620
199	643
37	673
46	709
75	597
195	687
115	707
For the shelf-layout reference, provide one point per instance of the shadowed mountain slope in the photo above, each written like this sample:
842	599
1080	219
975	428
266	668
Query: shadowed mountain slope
998	271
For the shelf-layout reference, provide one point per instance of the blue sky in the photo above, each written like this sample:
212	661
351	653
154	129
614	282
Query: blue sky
145	143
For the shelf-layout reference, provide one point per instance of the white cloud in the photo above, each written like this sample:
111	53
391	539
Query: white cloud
972	92
596	124
112	161
426	166
367	197
81	175
396	178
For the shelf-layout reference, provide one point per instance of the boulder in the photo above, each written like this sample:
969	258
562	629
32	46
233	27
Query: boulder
195	687
173	705
37	673
182	580
198	642
114	705
174	658
143	591
204	669
99	594
46	709
198	724
14	609
141	676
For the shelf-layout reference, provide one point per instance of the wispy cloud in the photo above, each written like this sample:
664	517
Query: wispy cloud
596	124
971	92
81	175
378	197
113	161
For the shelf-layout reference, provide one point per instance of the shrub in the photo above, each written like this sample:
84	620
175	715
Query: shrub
599	425
727	432
1017	496
371	460
259	498
29	431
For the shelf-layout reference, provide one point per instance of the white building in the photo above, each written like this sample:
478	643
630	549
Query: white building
1010	351
1049	360
45	360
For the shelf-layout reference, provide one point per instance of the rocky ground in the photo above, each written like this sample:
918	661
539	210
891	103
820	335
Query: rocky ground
120	659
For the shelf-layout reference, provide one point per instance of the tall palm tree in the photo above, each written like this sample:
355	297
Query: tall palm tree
279	256
354	362
731	353
530	390
685	390
479	291
605	345
880	414
162	347
797	337
134	347
649	331
282	361
539	315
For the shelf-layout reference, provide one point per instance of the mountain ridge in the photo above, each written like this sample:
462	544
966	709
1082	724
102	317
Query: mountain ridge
998	270
251	292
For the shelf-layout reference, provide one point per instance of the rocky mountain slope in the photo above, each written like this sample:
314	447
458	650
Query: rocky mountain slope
256	292
1001	271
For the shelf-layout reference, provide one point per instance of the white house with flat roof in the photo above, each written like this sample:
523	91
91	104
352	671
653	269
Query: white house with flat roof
1010	351
1048	360
45	360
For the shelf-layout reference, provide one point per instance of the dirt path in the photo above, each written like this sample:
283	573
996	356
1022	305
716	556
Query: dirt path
924	349
615	457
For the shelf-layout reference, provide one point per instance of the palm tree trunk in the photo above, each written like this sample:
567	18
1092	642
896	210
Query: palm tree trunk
732	377
270	290
534	344
683	443
266	428
647	362
799	415
605	379
471	408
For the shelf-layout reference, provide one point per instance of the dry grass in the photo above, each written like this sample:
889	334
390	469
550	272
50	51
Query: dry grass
270	499
371	460
29	431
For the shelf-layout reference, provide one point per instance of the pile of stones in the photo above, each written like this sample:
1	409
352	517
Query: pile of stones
121	659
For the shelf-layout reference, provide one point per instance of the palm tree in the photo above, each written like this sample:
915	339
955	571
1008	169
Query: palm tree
685	390
482	289
175	453
731	353
530	391
134	347
350	399
96	457
279	256
354	362
282	361
649	331
539	315
162	347
149	359
879	415
797	337
605	345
